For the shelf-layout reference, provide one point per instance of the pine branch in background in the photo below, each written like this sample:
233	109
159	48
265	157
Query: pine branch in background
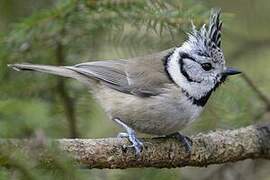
85	19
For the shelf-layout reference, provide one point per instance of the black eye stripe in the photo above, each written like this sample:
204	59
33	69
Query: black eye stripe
184	72
205	66
186	56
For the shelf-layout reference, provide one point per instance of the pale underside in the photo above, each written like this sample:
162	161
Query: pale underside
161	115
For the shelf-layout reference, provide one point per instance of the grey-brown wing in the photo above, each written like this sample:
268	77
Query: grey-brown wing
147	75
111	73
142	76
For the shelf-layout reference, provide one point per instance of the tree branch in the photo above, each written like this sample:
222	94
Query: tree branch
217	147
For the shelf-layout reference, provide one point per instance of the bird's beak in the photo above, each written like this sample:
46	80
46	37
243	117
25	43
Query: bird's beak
230	71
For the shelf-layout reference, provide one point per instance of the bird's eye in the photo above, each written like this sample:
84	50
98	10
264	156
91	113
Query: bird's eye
206	66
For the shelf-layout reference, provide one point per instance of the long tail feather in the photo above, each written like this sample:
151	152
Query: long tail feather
56	70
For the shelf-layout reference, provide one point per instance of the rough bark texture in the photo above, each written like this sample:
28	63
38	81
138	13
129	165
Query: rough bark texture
213	148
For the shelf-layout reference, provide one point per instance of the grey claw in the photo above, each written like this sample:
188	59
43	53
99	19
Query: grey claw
131	135
186	141
138	146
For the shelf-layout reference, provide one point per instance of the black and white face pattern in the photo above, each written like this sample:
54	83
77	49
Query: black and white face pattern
198	65
197	73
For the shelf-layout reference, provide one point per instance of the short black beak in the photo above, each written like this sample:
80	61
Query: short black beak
231	71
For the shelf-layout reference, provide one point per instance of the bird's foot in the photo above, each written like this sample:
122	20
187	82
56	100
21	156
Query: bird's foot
186	141
131	135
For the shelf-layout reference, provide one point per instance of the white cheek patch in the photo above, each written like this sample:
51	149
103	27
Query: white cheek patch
176	74
174	68
193	68
194	89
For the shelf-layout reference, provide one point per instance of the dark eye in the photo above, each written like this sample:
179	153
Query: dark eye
206	66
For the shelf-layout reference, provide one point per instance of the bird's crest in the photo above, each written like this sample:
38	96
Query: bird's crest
215	25
207	38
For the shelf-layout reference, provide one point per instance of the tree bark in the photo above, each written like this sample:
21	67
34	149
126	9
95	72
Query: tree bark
217	147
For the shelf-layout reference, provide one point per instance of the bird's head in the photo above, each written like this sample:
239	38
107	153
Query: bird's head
198	65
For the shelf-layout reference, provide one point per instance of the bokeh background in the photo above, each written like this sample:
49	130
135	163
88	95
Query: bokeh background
73	31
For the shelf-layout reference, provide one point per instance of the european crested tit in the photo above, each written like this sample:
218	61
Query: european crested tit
159	93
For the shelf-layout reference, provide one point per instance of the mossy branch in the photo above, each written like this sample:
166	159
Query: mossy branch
217	147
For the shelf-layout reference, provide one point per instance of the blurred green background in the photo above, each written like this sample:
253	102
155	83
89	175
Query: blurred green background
73	31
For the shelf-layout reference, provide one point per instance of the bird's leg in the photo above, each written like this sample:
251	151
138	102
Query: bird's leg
183	139
131	135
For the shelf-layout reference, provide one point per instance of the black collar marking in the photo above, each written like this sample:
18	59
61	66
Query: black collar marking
165	62
199	102
203	100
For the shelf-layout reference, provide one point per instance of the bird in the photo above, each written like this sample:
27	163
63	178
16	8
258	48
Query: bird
159	93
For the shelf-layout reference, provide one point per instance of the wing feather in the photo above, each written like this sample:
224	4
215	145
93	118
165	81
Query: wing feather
110	72
143	76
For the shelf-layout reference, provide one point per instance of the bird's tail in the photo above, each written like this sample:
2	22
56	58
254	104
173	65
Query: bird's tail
56	70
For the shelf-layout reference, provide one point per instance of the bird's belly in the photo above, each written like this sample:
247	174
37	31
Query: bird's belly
164	118
161	115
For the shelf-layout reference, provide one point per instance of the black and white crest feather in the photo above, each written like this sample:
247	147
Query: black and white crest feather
215	25
207	38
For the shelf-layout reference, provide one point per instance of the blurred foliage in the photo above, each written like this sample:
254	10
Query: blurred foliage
73	31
